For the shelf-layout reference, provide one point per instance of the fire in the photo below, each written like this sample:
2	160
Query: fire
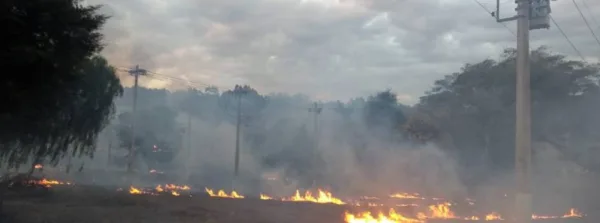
133	190
493	216
38	166
367	217
573	213
48	183
323	197
222	193
176	187
265	197
406	196
169	188
472	218
439	211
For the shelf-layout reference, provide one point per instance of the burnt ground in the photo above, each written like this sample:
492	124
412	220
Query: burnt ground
92	205
99	205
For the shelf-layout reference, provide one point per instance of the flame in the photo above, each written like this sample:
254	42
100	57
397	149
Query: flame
265	197
48	183
573	213
222	193
367	217
170	188
323	197
133	190
38	166
472	218
493	216
406	196
176	187
439	211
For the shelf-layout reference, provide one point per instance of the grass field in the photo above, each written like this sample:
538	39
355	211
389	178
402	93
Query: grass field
86	204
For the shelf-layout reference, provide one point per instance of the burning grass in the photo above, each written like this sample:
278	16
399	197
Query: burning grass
420	210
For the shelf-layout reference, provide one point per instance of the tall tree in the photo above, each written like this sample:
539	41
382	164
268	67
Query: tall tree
476	105
383	115
59	96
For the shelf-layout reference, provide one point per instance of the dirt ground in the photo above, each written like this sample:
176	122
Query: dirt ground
81	204
95	205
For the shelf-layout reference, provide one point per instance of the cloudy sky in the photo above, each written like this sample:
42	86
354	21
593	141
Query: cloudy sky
327	49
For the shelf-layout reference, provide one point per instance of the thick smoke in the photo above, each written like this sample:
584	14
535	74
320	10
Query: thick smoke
352	159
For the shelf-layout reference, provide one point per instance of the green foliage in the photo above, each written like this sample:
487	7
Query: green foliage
476	106
59	95
74	126
154	127
383	114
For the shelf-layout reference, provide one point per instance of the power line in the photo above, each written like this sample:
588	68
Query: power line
180	79
567	38
586	22
491	13
169	78
172	81
591	14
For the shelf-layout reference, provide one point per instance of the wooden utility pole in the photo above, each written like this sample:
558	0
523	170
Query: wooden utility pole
136	73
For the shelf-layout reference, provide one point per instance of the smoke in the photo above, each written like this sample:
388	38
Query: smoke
277	157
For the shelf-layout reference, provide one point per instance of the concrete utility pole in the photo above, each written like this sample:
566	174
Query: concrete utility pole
523	197
136	73
531	14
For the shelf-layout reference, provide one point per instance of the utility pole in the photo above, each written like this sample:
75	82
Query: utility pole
136	73
189	136
238	92
110	141
523	197
316	109
531	14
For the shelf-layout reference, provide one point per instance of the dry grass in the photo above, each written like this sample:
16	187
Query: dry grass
95	205
81	204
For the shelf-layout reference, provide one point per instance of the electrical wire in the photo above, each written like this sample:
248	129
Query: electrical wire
586	22
490	13
154	75
591	14
567	38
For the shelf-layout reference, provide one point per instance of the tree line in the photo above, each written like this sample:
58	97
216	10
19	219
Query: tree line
60	94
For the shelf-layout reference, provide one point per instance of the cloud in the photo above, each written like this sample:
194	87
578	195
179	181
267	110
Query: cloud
324	48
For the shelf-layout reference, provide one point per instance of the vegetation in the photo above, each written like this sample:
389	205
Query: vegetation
58	91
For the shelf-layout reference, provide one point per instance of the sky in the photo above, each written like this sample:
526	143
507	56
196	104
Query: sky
326	49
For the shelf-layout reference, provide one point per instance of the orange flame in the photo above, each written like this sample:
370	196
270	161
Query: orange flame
323	197
493	216
222	193
367	217
265	197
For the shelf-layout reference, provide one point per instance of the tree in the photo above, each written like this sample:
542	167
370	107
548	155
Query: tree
157	132
383	114
476	105
60	95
